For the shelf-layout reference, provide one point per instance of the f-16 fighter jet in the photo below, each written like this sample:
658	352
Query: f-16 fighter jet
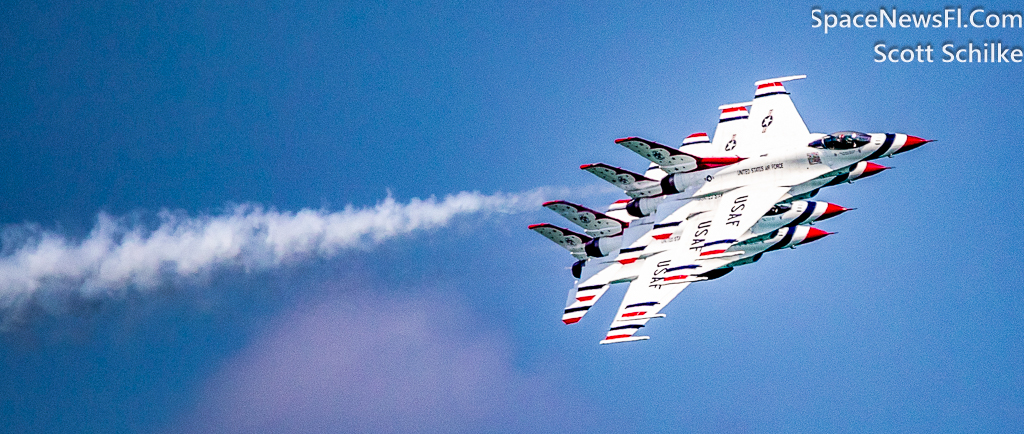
696	214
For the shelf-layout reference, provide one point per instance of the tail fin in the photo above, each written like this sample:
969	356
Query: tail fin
654	172
634	184
569	240
695	139
730	134
774	120
594	223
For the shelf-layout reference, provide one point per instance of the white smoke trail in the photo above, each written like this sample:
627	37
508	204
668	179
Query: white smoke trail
117	255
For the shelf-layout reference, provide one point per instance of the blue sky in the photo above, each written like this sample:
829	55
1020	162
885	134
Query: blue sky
122	120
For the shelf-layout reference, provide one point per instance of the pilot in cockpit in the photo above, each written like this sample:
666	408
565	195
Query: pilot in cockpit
842	140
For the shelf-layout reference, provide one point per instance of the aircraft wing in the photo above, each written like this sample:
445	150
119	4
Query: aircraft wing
661	277
595	278
659	282
737	211
774	120
699	245
589	289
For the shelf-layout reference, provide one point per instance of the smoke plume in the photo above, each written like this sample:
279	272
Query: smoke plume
117	254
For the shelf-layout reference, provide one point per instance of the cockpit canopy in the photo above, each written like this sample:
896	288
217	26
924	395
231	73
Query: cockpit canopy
779	209
842	140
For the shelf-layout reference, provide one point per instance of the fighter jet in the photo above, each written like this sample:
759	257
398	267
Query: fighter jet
746	191
712	205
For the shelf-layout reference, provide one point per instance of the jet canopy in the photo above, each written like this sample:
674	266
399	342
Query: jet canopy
842	140
779	209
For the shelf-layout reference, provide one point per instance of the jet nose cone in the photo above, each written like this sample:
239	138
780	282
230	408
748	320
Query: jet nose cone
814	234
912	142
832	210
873	168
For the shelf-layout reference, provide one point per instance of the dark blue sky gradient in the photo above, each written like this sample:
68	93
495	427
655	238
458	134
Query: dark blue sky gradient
909	319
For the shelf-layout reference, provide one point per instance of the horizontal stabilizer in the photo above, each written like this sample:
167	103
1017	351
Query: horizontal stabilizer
569	240
595	223
668	158
672	160
634	184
